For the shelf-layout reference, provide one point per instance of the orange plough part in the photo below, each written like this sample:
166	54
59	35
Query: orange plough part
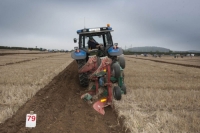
99	107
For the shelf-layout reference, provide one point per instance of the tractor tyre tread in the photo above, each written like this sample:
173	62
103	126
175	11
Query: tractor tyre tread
122	62
116	68
117	93
83	77
124	88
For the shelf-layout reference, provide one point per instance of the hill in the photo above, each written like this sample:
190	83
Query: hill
148	49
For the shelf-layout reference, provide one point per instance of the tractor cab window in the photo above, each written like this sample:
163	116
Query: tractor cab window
95	39
92	41
98	39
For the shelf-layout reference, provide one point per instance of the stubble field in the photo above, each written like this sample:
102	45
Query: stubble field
23	75
162	97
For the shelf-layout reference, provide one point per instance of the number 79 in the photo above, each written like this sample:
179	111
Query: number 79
31	117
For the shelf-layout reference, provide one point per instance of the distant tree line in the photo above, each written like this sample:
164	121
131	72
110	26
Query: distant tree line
19	48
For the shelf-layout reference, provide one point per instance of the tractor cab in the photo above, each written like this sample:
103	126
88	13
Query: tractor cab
95	41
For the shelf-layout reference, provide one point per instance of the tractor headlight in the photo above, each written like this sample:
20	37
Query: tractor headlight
115	46
76	49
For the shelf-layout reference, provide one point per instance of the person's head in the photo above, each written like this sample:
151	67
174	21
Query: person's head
90	38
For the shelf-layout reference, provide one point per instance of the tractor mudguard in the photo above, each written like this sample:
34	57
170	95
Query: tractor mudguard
115	52
78	55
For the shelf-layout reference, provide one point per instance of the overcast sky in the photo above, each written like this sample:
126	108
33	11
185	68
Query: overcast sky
52	24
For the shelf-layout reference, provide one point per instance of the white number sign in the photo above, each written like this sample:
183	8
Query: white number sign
31	120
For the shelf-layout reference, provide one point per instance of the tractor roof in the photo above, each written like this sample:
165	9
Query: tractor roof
94	30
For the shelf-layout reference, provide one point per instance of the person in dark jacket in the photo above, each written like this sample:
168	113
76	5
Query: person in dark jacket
92	44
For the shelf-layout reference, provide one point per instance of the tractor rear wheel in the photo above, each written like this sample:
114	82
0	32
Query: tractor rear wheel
122	61
117	93
83	77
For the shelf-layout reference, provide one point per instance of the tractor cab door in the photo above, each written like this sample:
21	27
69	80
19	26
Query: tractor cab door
108	40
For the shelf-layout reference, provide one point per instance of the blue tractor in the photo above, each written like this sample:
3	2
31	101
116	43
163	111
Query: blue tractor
100	61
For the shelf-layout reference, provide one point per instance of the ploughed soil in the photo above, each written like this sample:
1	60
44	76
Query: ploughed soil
59	109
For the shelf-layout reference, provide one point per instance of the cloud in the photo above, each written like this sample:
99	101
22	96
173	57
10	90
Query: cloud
53	24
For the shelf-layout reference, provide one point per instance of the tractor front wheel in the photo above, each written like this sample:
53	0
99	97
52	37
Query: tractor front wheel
117	93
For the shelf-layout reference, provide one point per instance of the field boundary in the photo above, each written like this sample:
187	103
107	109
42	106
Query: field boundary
159	61
11	63
2	54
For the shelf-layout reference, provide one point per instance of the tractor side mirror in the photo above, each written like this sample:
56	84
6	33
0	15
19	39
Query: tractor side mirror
75	40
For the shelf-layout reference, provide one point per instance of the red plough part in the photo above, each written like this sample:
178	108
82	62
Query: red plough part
105	66
90	66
